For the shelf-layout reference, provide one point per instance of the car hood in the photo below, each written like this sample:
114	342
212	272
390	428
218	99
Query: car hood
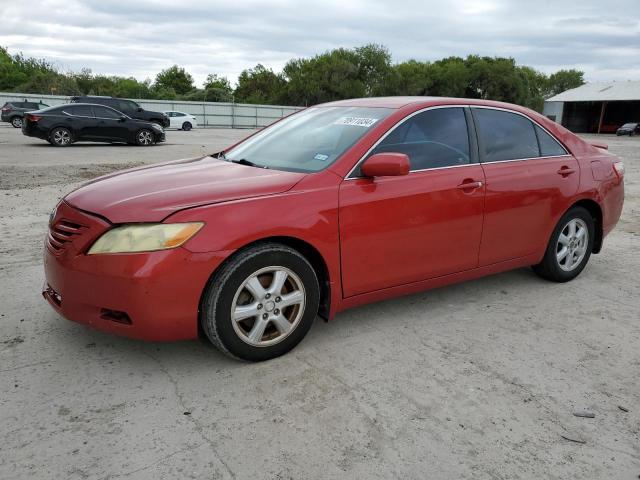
151	193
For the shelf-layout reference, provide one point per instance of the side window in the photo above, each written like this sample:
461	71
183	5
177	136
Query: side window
35	106
179	114
104	112
79	111
432	139
549	146
505	135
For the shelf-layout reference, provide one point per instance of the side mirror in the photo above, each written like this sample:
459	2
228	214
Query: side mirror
123	118
139	109
386	165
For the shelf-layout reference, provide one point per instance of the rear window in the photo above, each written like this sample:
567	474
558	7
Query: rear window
505	135
549	146
79	110
54	109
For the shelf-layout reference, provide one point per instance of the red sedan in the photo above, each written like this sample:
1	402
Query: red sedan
335	206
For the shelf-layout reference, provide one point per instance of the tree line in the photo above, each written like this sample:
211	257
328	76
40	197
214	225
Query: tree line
333	75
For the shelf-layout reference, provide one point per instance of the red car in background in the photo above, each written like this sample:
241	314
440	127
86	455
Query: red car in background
333	207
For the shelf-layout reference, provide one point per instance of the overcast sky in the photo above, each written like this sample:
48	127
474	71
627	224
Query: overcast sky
140	37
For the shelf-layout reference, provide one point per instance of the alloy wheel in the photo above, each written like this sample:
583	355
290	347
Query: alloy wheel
61	137
16	122
268	306
572	244
145	137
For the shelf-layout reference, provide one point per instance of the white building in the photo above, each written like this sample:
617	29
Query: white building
599	107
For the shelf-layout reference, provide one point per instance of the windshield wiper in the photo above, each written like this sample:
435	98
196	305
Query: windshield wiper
244	161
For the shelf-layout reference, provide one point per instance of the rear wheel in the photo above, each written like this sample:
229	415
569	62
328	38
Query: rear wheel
145	137
260	304
186	126
16	122
60	137
569	248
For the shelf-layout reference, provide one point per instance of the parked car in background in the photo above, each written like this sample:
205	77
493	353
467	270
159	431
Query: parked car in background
80	122
181	120
13	112
630	129
128	107
332	207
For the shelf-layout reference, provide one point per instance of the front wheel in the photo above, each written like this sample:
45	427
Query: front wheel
569	248
16	122
145	138
261	303
186	126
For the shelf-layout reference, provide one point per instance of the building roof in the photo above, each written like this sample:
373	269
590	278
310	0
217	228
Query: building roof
600	91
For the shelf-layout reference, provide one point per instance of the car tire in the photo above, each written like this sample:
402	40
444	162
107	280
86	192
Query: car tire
274	293
186	126
145	137
16	122
568	251
60	137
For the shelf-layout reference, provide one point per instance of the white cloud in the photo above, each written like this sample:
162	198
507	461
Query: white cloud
140	38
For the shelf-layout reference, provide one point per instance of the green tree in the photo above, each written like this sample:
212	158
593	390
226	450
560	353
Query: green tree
259	85
535	84
410	78
174	78
564	80
218	88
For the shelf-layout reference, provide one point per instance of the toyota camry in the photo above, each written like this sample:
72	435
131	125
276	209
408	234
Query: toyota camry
335	206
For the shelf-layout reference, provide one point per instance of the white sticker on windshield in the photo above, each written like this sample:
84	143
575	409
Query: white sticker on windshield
321	156
356	121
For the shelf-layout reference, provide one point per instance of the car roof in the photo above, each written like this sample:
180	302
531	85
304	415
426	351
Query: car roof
399	102
80	104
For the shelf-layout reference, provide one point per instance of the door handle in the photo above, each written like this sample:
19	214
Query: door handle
565	171
470	185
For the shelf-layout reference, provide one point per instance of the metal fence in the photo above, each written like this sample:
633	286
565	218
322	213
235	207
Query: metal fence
209	114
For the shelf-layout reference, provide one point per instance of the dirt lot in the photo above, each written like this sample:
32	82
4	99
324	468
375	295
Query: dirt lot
478	380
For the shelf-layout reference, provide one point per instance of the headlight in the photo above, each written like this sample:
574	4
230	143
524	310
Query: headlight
144	237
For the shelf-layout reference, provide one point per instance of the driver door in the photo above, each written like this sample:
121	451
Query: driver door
399	230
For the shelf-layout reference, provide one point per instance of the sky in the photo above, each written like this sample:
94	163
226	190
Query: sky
141	37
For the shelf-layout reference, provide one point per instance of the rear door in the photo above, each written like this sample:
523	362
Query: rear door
530	180
398	230
79	118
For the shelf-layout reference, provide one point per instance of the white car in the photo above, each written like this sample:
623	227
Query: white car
181	120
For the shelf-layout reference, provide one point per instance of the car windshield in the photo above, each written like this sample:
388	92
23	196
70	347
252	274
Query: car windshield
308	141
629	125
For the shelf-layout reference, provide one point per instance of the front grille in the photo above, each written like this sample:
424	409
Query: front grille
61	233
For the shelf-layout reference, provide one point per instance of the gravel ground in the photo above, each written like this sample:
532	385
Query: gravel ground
477	380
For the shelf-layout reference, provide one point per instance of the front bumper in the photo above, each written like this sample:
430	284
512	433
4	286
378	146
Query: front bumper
149	296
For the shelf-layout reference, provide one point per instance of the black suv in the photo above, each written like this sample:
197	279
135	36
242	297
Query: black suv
128	107
13	112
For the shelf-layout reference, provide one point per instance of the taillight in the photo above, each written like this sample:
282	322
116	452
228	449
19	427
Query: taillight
618	167
33	118
6	109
